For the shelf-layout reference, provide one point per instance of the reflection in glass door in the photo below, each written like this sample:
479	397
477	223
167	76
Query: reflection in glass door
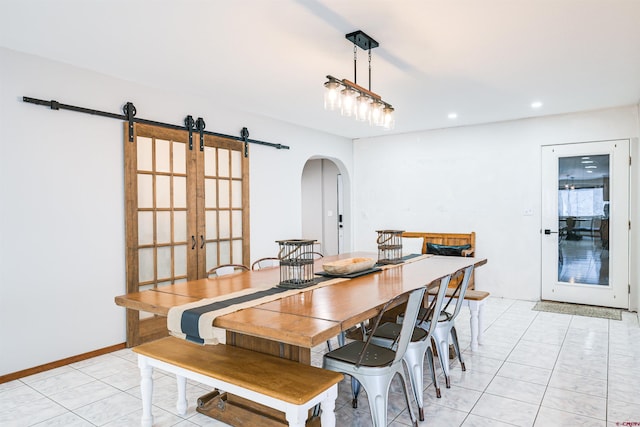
583	219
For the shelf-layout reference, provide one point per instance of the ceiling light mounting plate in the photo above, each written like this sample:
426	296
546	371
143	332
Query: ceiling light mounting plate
362	40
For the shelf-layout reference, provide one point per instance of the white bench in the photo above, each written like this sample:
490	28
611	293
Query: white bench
284	385
475	300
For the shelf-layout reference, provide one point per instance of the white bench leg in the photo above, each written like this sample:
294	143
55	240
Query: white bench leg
328	405
480	321
476	308
296	416
181	405
146	391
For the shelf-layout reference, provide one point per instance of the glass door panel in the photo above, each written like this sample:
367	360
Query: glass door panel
583	208
160	221
223	165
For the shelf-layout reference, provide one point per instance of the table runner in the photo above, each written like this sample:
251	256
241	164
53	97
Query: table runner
194	321
407	259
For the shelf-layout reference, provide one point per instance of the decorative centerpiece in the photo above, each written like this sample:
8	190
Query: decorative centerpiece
348	266
389	246
296	263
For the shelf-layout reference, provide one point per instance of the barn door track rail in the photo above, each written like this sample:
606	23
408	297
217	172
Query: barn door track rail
192	126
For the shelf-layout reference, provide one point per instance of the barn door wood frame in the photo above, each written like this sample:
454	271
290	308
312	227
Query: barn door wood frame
186	211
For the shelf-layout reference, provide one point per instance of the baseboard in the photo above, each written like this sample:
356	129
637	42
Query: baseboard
58	363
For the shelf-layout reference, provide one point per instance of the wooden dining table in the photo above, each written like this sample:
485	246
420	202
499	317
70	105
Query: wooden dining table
291	326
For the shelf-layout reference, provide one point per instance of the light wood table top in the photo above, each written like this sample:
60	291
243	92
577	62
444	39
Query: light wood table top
308	318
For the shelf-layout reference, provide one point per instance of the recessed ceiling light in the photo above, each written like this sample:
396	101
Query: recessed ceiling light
589	171
591	167
586	162
453	115
586	158
536	104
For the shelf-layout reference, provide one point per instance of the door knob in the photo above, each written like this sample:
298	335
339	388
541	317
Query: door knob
547	231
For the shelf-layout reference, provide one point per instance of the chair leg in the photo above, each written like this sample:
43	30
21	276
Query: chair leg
378	402
355	389
415	368
443	355
414	421
341	341
432	368
456	346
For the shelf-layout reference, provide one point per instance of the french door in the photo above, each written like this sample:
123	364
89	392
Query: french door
187	211
585	223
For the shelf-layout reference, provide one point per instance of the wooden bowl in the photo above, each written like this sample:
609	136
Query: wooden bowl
348	265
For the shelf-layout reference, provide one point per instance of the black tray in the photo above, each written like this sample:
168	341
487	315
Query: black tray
298	285
350	275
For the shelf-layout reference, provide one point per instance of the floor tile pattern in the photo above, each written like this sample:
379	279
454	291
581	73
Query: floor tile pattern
534	369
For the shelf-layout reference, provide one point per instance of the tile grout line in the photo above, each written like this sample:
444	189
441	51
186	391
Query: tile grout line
501	365
546	387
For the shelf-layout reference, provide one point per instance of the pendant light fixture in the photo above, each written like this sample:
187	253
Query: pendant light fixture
353	100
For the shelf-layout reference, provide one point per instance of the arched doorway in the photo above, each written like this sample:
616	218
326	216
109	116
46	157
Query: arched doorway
325	205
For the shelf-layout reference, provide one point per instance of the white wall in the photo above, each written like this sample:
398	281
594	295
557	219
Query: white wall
476	178
312	202
62	257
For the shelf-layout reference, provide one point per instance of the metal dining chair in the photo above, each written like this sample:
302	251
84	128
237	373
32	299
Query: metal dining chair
419	346
373	366
225	269
445	328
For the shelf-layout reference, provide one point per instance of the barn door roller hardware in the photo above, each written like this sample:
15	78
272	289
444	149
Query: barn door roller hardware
129	111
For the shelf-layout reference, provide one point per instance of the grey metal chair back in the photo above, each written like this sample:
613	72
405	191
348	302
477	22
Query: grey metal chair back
373	366
445	327
460	292
420	345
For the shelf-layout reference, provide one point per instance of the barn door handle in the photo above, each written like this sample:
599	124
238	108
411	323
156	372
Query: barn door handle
193	242
201	241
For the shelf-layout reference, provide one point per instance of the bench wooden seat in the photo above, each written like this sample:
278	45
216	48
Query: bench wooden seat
475	301
471	294
447	239
281	384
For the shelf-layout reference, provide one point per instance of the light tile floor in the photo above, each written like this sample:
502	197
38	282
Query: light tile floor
534	369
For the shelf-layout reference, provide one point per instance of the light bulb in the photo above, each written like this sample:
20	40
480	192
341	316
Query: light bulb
332	95
362	110
388	120
348	102
376	116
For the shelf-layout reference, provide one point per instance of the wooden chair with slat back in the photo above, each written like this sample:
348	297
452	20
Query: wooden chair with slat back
447	244
266	262
225	269
315	255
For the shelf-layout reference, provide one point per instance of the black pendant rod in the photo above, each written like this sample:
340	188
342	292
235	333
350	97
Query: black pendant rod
55	105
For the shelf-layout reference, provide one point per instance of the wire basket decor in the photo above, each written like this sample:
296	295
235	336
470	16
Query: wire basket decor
389	246
296	263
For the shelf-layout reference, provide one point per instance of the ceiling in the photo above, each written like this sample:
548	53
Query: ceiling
485	60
